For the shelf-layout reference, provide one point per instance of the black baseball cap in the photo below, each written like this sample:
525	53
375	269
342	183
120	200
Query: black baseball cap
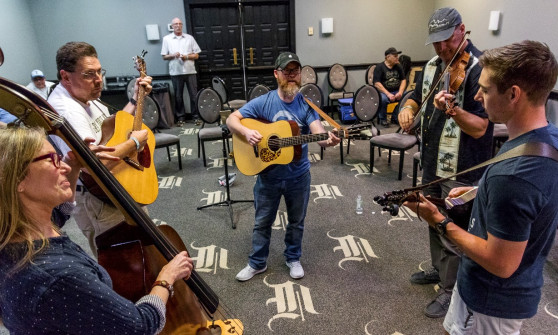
392	51
284	59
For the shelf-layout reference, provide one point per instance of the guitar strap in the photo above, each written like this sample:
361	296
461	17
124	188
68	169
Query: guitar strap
324	115
539	149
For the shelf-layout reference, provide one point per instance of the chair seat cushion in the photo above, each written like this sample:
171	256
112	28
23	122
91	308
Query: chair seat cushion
210	133
236	104
163	139
394	141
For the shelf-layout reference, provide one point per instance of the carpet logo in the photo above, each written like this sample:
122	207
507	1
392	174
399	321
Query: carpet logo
213	197
219	163
360	168
325	191
353	248
210	258
281	221
170	182
189	131
292	301
314	157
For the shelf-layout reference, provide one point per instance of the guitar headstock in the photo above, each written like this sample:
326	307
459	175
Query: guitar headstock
346	131
139	63
390	201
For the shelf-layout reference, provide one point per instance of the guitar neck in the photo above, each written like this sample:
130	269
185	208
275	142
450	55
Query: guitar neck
138	116
301	139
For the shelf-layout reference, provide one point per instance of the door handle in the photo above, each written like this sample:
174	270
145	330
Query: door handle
235	58
251	56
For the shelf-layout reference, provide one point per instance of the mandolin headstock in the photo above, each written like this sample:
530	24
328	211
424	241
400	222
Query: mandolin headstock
139	63
390	201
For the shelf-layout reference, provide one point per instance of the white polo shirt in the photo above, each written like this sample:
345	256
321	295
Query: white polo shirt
184	44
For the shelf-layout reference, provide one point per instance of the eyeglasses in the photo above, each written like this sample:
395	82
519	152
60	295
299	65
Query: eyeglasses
91	75
54	157
293	72
38	78
177	24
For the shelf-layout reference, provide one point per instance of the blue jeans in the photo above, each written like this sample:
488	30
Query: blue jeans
267	196
382	113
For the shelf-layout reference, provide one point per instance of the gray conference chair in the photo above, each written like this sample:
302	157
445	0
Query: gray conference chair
308	75
218	84
257	90
209	106
150	115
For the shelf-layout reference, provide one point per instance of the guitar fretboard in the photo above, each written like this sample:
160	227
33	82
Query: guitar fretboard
462	199
297	140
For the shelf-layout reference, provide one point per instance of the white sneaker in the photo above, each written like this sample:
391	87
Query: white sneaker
297	271
248	272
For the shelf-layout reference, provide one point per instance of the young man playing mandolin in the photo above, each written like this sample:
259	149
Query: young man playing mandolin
76	99
453	139
292	181
515	214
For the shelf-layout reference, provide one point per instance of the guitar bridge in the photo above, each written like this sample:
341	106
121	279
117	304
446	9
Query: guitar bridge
133	163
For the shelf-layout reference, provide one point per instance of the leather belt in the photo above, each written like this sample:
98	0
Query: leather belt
81	188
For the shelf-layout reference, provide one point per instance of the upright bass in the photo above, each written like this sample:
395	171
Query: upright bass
195	307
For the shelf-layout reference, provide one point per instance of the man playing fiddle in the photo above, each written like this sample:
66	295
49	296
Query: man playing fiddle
455	135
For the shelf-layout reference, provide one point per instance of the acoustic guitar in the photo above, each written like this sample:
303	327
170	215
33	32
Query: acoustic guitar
281	144
136	172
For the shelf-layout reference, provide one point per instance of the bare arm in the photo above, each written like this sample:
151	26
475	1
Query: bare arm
469	123
233	122
497	256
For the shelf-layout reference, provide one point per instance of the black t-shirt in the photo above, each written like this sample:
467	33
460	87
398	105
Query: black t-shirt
389	78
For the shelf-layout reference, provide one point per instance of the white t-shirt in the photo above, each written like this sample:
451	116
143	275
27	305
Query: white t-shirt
86	119
184	44
43	92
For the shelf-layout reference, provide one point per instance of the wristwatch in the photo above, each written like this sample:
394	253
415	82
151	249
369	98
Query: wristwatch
164	284
441	226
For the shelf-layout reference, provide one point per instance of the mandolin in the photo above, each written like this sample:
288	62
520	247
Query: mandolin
458	208
136	172
281	144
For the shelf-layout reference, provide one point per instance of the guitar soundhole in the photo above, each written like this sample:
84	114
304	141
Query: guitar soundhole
272	143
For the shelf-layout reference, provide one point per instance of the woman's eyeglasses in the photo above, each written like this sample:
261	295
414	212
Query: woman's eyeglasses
54	157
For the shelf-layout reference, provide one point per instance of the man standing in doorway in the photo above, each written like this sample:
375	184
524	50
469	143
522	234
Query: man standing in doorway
181	50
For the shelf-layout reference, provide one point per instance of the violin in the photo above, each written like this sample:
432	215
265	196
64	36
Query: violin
455	70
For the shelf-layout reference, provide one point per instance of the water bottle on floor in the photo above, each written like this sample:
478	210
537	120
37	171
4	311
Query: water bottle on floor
359	209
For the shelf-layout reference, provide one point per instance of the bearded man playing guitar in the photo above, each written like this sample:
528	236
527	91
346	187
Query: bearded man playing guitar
292	181
76	99
452	139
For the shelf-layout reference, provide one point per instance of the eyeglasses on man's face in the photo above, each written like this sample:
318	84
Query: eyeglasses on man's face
92	74
291	72
54	157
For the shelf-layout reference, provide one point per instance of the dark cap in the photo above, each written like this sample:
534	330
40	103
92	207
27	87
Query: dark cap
392	51
284	59
442	24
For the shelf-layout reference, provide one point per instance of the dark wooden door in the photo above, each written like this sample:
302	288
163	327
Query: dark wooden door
268	29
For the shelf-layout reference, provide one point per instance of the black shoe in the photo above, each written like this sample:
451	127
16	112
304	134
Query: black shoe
439	306
180	123
385	124
430	276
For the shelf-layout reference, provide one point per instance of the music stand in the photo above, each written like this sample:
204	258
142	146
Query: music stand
228	201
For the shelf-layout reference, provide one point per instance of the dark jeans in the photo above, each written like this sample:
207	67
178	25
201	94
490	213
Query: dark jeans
444	253
178	82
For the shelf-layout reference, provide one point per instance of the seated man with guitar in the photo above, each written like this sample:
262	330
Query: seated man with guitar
288	179
76	99
455	135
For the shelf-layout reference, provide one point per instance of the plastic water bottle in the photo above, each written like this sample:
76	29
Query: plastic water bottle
359	209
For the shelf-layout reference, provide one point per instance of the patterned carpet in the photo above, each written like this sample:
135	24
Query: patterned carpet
357	266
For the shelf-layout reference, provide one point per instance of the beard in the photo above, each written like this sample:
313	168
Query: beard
289	88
